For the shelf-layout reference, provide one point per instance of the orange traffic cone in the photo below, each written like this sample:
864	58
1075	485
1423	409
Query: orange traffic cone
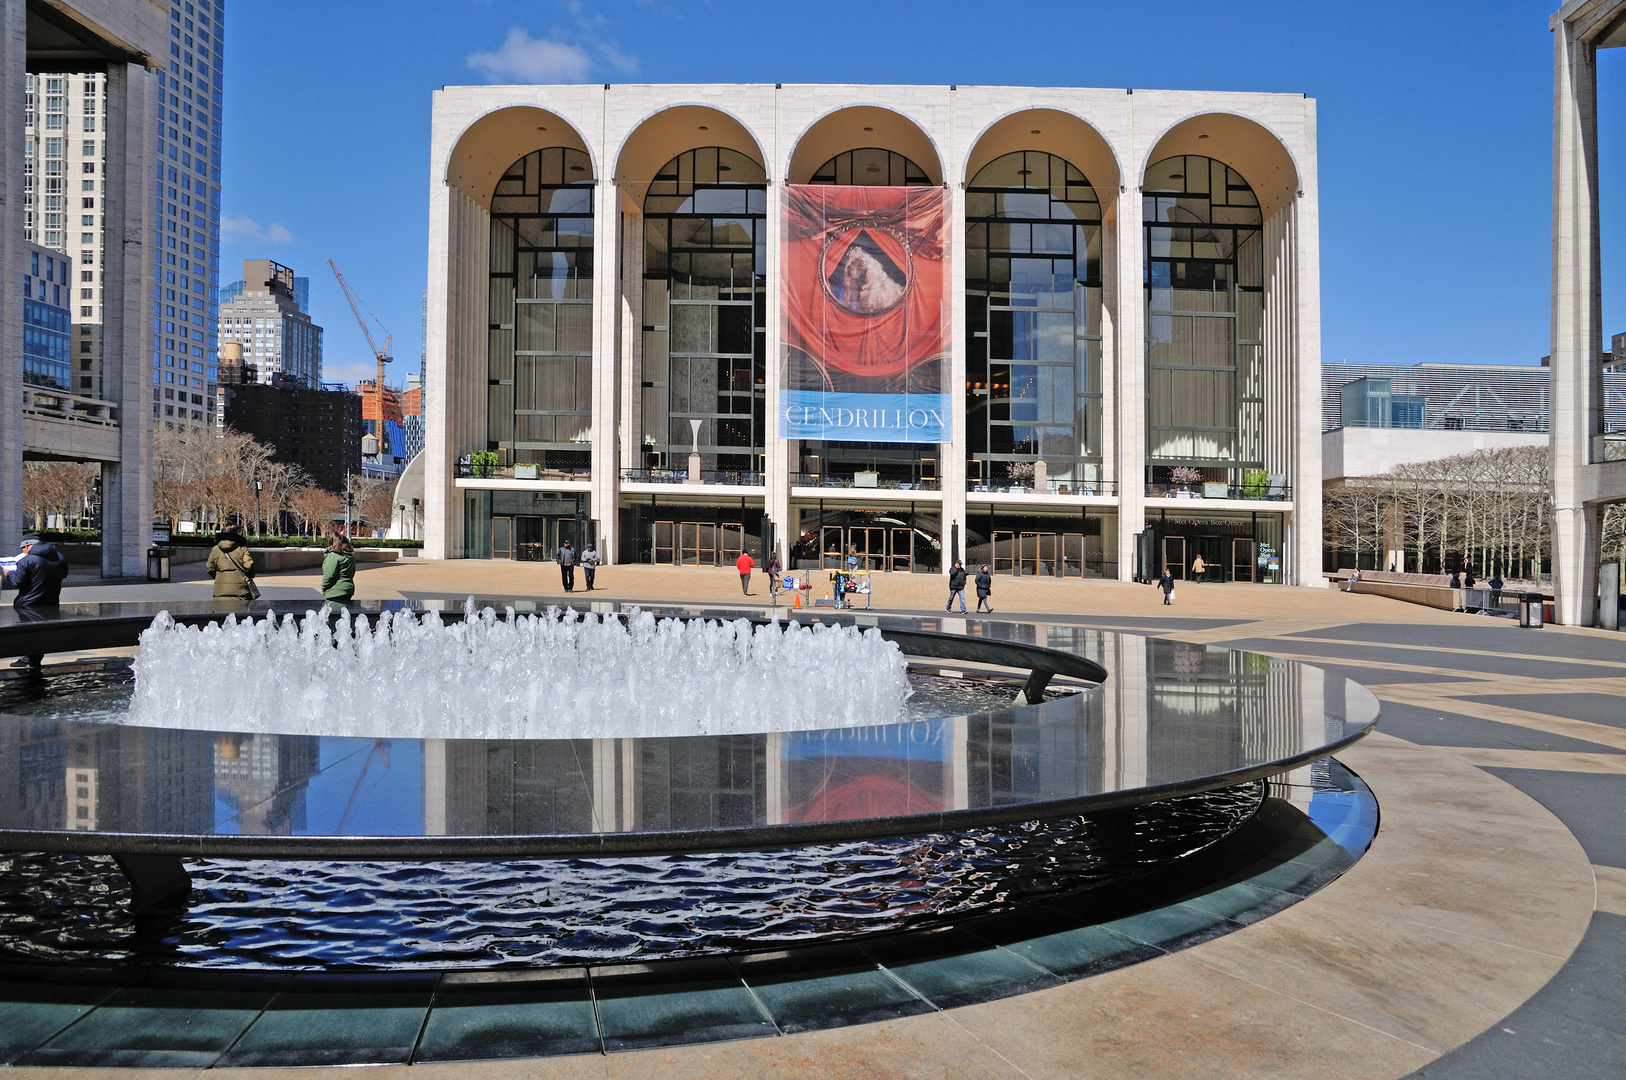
798	605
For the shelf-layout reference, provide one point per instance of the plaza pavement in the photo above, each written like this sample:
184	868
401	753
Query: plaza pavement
1482	936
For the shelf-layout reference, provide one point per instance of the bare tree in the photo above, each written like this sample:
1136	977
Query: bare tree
374	500
57	489
314	507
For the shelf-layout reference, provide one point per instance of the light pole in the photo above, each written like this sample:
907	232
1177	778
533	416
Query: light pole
259	523
349	500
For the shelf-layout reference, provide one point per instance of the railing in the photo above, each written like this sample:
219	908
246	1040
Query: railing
726	477
1609	447
61	405
1049	487
863	480
1251	492
470	471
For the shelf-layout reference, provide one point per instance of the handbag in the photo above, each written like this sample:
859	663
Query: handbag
253	589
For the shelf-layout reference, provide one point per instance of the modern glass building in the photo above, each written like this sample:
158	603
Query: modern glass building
47	330
892	324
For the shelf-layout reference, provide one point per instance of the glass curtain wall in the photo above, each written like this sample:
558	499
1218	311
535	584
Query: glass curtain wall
705	312
1033	322
1204	323
541	331
901	462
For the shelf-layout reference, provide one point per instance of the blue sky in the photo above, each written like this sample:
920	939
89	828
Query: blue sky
1435	130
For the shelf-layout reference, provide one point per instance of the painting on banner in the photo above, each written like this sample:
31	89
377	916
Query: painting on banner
865	316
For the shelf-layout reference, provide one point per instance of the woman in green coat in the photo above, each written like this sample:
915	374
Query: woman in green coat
338	569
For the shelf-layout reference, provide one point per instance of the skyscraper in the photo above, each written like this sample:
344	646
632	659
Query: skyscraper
186	266
267	313
65	159
65	189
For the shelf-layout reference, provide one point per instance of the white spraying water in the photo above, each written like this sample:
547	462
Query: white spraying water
522	677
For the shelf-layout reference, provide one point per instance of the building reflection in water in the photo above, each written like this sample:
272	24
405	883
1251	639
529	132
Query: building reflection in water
1171	711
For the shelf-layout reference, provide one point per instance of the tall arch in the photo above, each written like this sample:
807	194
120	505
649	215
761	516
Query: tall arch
539	355
663	135
1055	132
1245	145
704	295
489	147
857	127
1033	292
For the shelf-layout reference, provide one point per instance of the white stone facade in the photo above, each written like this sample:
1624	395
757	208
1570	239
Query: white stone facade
1588	462
1111	135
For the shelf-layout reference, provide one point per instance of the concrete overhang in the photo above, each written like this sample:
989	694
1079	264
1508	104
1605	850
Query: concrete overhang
88	35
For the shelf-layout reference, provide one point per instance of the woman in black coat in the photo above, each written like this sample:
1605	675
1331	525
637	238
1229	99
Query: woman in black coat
1166	583
985	585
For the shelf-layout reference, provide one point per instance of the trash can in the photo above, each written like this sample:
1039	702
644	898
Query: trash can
158	564
1531	610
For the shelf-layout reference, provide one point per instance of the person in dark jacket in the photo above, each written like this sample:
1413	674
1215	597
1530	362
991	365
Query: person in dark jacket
985	586
1166	583
38	578
956	586
39	575
773	570
339	569
231	564
567	565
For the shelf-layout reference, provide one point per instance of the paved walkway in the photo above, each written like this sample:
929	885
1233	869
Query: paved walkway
1483	936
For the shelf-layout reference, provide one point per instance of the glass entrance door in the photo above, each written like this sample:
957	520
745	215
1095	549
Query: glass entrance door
902	554
869	544
531	539
502	538
1174	556
1004	547
1243	566
1072	554
1038	554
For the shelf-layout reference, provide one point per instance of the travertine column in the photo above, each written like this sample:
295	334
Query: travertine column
780	456
1577	317
126	358
607	287
1129	372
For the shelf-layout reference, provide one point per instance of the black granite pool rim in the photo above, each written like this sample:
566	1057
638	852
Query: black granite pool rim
84	1017
108	625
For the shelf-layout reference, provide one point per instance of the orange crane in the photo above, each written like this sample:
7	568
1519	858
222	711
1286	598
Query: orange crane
382	355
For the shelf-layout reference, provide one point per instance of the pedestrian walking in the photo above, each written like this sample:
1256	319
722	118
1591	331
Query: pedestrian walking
985	587
1468	578
745	564
231	564
773	570
956	587
37	577
1166	583
339	568
1198	568
589	565
566	555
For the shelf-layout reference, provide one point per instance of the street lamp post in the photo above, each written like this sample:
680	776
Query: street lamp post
259	522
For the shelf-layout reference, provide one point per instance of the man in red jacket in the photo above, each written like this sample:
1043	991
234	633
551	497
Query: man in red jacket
745	564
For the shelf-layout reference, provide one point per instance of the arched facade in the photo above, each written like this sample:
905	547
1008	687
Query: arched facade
1075	393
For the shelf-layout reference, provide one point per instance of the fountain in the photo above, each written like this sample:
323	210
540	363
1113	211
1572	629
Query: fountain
486	786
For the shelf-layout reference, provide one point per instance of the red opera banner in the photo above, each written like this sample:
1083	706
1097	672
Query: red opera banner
865	314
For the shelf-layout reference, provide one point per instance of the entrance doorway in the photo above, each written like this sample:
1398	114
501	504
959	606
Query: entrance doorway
502	538
697	543
1243	564
1174	556
875	547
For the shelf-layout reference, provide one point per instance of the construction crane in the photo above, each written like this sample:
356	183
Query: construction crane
382	355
